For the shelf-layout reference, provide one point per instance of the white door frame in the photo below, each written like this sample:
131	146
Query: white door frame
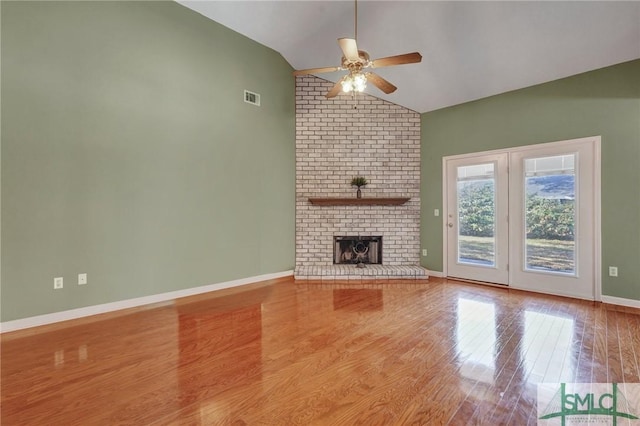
597	221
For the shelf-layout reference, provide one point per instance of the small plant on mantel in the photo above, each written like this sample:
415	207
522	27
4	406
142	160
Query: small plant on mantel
359	181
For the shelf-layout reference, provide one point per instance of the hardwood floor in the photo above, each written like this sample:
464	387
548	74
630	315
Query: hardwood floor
289	353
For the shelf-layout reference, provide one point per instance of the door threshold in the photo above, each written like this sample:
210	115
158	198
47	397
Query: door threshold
467	280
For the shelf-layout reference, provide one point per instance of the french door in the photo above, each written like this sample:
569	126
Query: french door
526	217
477	218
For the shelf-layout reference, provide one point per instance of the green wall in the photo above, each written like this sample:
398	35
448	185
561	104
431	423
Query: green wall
128	153
605	102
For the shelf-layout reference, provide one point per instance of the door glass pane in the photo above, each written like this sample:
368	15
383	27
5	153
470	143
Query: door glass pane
476	214
550	214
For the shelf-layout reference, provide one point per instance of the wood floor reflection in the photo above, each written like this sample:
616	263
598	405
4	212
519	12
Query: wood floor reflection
299	353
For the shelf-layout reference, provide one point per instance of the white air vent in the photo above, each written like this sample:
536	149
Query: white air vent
251	98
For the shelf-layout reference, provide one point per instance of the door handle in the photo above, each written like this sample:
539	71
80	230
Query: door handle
450	225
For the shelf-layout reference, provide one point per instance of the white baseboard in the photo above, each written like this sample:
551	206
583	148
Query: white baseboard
621	301
436	274
131	303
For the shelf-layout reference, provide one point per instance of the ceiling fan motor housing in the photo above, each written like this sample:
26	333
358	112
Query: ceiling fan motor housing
357	65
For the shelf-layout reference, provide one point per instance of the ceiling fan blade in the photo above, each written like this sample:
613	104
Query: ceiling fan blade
316	70
380	83
349	48
335	89
407	58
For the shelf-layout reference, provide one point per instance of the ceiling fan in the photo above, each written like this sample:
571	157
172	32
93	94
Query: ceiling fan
355	61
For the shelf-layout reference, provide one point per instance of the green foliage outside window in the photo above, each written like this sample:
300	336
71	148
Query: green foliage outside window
547	218
476	209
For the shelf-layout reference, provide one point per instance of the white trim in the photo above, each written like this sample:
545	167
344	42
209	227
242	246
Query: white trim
445	215
552	293
131	303
613	300
436	274
522	148
597	218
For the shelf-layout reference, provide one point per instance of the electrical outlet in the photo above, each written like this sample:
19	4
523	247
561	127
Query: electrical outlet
424	252
58	283
613	271
82	279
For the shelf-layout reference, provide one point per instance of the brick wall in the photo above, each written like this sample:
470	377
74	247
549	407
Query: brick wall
335	142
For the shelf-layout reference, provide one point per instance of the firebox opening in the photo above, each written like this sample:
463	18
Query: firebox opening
354	250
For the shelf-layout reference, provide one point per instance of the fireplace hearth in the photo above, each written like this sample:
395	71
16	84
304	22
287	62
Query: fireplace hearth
357	250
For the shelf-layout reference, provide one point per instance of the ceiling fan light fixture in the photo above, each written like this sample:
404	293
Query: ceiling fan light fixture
359	82
355	82
347	84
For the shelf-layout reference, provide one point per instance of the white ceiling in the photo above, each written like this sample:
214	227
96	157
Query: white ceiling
470	50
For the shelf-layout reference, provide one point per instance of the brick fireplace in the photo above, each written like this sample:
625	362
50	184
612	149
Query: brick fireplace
337	139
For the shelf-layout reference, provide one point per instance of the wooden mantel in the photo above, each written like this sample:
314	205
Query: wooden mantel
328	201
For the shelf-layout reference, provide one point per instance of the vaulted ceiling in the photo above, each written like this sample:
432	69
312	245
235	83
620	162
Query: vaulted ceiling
470	50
